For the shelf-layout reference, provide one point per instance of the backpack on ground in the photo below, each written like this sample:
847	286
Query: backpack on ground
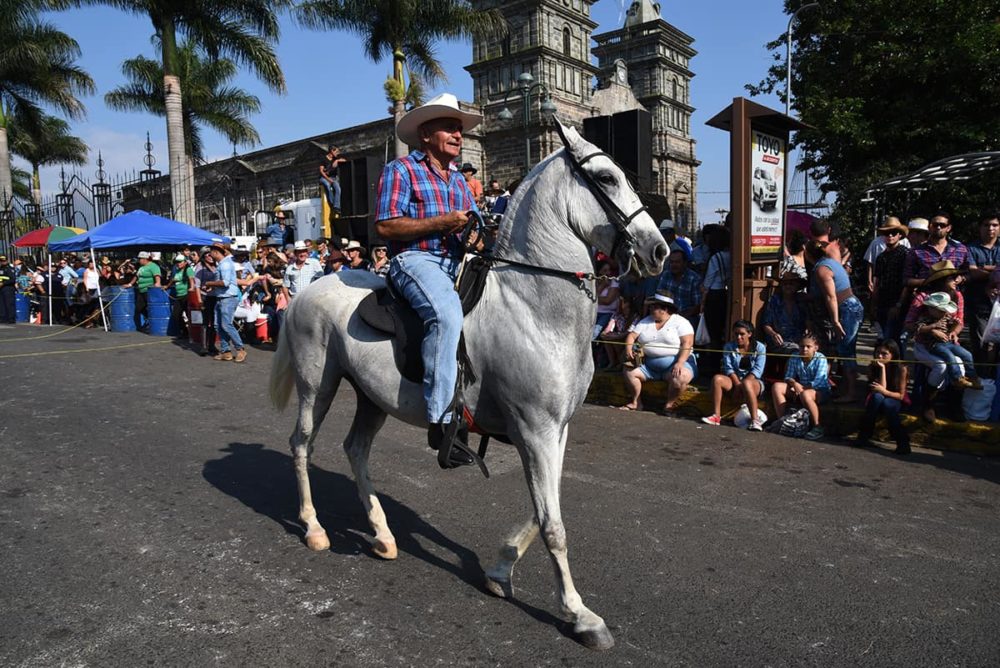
794	424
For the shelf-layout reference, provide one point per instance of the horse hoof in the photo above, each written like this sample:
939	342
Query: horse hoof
597	638
499	588
317	542
385	549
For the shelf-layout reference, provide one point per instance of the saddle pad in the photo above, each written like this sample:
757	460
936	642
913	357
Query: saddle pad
381	311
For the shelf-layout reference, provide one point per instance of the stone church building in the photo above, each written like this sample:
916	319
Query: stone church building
643	65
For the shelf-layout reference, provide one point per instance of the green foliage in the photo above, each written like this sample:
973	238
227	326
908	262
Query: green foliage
394	90
888	86
406	27
207	98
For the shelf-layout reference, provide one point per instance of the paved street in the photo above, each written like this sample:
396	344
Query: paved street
148	516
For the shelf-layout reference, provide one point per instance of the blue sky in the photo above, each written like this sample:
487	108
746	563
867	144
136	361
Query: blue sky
331	85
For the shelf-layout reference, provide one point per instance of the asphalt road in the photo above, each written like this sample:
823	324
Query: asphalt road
148	517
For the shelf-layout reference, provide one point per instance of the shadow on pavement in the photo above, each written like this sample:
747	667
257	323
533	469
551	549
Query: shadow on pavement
264	481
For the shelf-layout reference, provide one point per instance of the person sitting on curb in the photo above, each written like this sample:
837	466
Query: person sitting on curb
807	377
666	339
887	382
743	362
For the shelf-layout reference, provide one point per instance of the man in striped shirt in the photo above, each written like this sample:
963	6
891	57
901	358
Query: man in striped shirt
423	203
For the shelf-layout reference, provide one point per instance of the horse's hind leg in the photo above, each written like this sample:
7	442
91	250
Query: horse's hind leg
313	406
543	468
368	419
498	578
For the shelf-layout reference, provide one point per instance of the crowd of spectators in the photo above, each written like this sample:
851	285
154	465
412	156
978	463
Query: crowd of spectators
927	290
931	297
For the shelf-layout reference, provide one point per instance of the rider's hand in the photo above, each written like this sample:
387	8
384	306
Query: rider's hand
453	221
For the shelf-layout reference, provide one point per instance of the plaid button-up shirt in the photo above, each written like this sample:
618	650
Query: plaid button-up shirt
411	188
685	290
919	259
812	375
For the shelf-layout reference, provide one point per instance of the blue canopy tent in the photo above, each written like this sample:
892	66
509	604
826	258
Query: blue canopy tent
137	228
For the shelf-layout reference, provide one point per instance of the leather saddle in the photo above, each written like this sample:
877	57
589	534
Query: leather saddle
385	311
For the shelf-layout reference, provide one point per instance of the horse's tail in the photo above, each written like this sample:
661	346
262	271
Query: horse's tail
282	377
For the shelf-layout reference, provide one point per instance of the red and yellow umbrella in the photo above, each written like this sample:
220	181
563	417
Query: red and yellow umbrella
45	235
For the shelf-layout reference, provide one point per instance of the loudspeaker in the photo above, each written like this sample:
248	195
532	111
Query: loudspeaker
631	145
597	130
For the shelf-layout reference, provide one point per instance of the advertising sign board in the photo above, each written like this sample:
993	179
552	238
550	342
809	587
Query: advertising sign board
767	196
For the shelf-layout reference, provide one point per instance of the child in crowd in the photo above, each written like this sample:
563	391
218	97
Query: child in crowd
616	330
887	382
807	377
937	330
743	361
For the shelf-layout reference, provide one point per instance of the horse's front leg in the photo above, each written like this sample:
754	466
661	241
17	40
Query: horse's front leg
498	578
543	467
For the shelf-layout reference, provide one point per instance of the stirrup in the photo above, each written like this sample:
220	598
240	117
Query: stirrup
451	440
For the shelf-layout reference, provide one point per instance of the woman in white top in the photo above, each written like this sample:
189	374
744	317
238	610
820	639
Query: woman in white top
666	339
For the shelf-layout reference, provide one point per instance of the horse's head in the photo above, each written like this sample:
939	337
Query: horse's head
612	218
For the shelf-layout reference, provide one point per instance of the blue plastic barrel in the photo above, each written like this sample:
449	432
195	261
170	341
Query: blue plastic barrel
158	310
22	307
121	303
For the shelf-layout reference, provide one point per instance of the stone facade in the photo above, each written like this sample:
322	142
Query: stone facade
550	40
653	57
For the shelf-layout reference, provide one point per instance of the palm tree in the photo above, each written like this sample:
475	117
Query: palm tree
206	99
46	143
406	30
243	30
37	67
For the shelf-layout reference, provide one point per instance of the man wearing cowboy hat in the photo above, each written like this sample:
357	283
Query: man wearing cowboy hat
301	271
423	202
937	248
475	185
887	280
878	246
355	253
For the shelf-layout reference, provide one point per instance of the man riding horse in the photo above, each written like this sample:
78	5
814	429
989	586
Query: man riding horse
423	204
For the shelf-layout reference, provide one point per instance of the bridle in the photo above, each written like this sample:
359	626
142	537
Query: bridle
623	247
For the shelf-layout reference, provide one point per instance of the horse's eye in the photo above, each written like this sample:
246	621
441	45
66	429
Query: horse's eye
607	178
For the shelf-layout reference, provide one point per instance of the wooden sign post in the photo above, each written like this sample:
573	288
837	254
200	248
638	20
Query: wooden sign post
758	140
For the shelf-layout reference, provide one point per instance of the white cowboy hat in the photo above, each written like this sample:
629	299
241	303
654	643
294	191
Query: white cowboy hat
444	105
352	245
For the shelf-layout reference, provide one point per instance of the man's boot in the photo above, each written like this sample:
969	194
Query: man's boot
457	457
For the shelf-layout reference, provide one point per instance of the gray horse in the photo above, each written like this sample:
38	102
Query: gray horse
528	340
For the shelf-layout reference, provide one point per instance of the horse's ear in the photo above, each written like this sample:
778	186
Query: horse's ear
570	137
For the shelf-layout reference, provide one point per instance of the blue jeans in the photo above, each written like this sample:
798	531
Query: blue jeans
332	192
879	403
850	313
427	282
956	357
224	310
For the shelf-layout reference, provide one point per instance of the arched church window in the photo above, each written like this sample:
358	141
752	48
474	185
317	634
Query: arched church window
567	43
673	88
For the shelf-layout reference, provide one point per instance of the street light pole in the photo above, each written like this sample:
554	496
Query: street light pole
788	56
526	86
